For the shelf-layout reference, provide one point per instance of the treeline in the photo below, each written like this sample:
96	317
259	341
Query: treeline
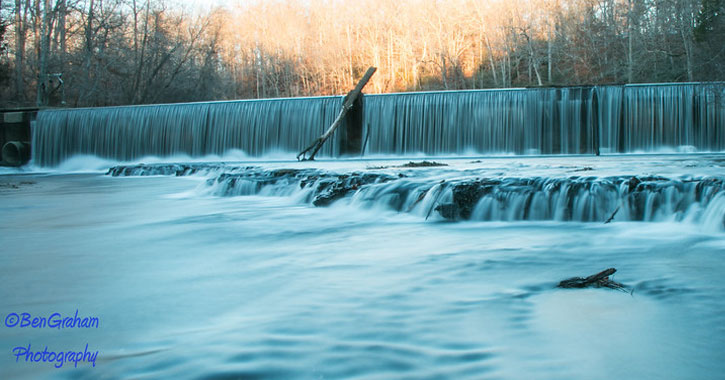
109	52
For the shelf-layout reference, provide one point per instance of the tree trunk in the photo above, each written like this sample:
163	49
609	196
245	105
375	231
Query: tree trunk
88	93
532	59
444	71
140	56
62	13
62	26
549	56
135	31
490	58
686	34
20	25
42	89
630	39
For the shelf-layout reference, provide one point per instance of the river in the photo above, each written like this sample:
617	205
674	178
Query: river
192	282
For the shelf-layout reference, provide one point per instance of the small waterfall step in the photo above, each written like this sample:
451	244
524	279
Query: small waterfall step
466	196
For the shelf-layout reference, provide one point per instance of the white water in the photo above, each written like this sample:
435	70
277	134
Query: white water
188	284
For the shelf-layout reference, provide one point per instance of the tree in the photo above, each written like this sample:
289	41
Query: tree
4	64
146	51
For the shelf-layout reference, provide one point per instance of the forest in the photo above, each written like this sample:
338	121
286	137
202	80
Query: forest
80	53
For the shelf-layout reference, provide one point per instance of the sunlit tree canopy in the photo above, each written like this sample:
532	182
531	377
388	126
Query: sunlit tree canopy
107	52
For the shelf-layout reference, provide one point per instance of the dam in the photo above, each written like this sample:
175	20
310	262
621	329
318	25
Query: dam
687	117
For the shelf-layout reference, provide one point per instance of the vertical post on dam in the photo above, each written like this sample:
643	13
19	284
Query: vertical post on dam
352	129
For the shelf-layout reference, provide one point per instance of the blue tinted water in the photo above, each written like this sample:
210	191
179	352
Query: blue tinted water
191	285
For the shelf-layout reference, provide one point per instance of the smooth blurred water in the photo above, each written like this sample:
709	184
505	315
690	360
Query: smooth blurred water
191	285
684	117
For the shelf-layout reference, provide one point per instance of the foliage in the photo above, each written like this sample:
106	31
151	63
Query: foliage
110	52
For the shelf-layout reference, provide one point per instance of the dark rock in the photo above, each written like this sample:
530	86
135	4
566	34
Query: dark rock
422	164
448	211
465	196
284	172
632	184
330	190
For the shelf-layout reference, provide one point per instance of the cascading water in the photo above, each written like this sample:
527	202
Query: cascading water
522	121
690	116
450	194
493	121
256	127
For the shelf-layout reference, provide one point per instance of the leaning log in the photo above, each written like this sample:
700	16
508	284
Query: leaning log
346	106
611	217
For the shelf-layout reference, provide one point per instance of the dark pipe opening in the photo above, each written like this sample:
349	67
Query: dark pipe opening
16	153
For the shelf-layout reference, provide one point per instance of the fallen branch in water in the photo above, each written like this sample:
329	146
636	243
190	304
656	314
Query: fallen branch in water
435	202
421	196
599	280
612	216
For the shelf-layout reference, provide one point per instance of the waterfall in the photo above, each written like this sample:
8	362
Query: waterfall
256	127
574	120
468	196
540	121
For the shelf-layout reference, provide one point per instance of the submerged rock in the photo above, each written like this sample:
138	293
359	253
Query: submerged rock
448	211
15	185
178	170
422	164
411	164
333	189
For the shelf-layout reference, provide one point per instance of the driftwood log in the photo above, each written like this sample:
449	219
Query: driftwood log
349	101
599	280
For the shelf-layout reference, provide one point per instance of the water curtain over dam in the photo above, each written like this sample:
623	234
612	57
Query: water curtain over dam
576	120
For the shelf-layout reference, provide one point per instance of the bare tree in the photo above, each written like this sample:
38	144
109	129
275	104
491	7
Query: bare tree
146	51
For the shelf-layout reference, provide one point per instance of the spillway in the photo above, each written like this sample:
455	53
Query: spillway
575	120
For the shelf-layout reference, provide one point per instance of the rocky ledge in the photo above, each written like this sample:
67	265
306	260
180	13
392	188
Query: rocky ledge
461	197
